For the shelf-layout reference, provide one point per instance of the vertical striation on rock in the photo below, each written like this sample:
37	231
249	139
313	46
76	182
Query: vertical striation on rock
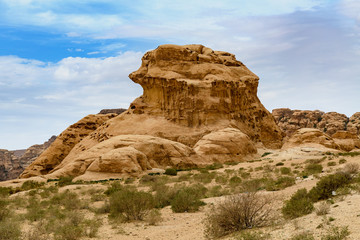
195	86
193	98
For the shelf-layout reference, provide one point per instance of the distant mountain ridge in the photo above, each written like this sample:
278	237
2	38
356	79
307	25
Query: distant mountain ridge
13	163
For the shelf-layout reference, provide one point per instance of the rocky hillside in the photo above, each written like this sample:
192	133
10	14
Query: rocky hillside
13	163
291	120
199	106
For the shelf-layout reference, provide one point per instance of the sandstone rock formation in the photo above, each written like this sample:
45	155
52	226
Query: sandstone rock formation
13	163
310	137
193	98
346	140
61	147
354	124
230	143
114	110
130	154
291	120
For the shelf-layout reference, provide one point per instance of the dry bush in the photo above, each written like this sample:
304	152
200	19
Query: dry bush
238	212
153	217
132	205
351	168
322	209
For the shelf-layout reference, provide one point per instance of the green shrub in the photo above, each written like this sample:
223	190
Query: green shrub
252	235
204	177
10	230
265	154
131	204
280	183
27	185
153	217
171	171
187	199
63	181
303	236
69	200
235	180
351	154
214	166
285	170
326	185
5	191
336	233
4	211
342	161
313	168
222	179
163	195
279	164
299	204
237	212
216	191
331	164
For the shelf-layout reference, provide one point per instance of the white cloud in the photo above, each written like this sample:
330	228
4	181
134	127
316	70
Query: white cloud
61	93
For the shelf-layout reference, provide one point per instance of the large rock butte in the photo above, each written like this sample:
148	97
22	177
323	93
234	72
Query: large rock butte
193	98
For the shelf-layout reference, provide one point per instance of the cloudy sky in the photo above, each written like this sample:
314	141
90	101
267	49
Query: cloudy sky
62	59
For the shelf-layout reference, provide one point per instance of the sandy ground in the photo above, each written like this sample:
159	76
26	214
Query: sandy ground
189	226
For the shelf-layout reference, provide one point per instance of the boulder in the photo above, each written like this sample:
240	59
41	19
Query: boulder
225	145
130	155
310	137
346	140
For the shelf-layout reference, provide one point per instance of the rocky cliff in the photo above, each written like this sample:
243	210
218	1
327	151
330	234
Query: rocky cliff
64	143
334	130
291	120
198	106
13	163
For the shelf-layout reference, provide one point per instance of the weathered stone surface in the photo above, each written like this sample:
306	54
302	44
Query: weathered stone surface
131	155
310	137
13	163
354	124
61	147
189	92
115	110
225	145
291	120
346	140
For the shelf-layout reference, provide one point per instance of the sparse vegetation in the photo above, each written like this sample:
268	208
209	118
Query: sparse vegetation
313	168
171	172
327	184
336	233
238	212
187	199
322	209
299	204
303	236
130	204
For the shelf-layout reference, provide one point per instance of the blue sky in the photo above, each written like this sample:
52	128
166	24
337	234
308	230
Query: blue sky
61	59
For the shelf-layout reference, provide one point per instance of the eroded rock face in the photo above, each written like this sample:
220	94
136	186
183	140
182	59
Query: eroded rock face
346	140
130	155
225	145
310	137
13	163
195	86
193	98
354	124
291	120
64	143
